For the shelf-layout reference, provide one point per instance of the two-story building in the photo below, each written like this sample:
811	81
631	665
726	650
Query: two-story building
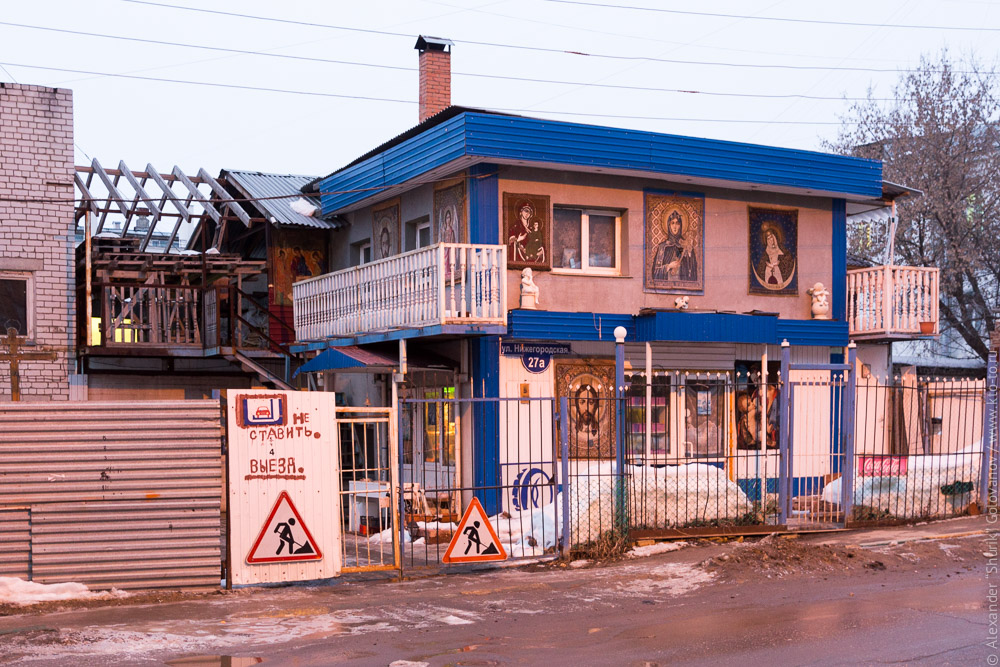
709	253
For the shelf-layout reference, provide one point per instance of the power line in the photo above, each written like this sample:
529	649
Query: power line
540	49
332	61
314	93
782	19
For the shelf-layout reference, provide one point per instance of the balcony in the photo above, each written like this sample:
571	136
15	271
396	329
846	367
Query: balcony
440	285
892	302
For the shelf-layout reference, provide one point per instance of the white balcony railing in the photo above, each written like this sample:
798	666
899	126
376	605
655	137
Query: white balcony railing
892	302
446	283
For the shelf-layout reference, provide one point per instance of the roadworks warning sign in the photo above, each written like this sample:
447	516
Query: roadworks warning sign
475	541
284	537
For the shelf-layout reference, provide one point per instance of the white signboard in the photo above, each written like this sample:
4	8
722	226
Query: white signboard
284	486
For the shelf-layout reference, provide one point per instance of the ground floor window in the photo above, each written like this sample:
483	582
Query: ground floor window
677	415
15	303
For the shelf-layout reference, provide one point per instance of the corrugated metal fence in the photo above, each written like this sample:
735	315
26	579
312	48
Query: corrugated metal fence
112	494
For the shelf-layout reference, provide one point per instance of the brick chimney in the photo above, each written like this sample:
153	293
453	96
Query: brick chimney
435	75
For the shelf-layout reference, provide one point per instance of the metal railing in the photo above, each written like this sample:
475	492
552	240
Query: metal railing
446	283
892	300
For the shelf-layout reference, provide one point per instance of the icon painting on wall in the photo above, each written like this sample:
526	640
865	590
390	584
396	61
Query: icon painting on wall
385	231
774	251
588	385
674	243
526	230
449	214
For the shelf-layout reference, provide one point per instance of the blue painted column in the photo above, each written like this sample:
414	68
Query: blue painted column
838	290
784	437
484	227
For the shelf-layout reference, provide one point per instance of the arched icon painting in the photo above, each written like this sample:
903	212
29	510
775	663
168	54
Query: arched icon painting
774	251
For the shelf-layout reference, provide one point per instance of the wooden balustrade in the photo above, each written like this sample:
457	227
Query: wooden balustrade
151	315
892	301
446	283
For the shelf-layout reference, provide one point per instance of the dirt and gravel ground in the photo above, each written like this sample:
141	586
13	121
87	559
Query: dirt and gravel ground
909	594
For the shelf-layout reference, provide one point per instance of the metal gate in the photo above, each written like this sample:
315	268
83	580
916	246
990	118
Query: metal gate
369	489
816	443
516	475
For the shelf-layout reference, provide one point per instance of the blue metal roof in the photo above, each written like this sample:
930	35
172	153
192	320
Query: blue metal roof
479	136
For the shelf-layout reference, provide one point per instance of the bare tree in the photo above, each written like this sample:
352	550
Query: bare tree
939	133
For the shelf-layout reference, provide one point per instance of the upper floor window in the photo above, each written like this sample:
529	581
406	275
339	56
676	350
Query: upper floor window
15	302
361	253
586	241
424	234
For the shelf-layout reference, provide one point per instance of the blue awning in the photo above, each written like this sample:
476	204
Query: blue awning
350	358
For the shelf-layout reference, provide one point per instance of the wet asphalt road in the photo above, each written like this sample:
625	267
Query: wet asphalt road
664	609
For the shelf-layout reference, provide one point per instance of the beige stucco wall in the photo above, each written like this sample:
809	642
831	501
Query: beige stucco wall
726	246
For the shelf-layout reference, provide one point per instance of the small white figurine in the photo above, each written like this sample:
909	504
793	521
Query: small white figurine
529	290
820	301
681	303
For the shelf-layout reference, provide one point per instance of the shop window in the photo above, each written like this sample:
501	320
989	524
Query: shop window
757	398
586	241
16	306
677	417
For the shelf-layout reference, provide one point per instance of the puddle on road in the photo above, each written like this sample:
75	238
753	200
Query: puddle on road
215	661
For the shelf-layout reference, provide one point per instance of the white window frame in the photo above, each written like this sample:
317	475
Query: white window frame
29	289
364	247
585	268
430	235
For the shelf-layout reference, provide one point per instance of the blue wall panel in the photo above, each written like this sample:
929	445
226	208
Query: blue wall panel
707	327
812	332
547	325
838	291
486	433
484	204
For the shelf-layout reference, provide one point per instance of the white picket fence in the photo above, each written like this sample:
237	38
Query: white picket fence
446	283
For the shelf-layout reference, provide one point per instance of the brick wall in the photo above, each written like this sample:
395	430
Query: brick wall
435	82
36	238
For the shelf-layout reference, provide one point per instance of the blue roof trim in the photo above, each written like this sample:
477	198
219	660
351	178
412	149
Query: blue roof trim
498	137
589	145
674	326
437	146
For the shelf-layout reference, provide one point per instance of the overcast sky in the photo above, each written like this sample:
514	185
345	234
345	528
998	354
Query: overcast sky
655	53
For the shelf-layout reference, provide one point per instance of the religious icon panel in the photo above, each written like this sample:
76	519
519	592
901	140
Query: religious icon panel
589	384
385	231
526	231
774	251
674	243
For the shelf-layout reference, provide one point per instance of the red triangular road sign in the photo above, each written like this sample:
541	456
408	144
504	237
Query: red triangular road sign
475	541
284	537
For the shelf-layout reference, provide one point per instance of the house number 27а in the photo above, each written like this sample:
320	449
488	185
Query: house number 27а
535	363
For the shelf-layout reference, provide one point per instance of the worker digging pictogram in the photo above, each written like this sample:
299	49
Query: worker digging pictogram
475	541
284	537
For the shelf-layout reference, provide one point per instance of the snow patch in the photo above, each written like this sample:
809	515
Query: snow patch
671	579
20	592
653	549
